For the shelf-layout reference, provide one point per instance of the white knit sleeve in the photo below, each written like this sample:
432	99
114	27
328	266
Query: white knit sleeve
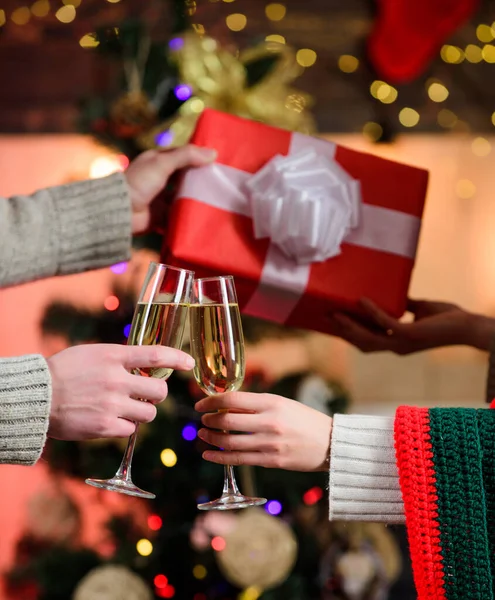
364	480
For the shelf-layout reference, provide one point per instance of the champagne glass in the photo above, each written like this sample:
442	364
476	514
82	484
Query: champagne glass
217	344
159	318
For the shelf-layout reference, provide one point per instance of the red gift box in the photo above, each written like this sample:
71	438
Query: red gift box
210	230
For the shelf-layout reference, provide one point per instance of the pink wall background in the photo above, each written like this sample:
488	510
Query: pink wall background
26	164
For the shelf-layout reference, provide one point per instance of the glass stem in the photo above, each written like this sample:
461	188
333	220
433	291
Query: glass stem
124	471
229	483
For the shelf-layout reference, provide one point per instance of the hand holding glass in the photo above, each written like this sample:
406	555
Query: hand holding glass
159	318
217	344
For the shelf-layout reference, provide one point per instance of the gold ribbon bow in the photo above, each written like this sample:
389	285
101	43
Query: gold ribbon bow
219	79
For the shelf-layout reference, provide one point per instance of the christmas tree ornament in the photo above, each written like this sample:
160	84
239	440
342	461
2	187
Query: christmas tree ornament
259	553
53	516
112	582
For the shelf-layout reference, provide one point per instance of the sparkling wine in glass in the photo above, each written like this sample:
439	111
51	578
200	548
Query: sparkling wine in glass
159	318
217	344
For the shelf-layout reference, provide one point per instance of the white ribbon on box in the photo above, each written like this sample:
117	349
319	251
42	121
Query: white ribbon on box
307	204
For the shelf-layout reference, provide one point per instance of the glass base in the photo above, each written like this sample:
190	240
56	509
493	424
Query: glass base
121	486
232	502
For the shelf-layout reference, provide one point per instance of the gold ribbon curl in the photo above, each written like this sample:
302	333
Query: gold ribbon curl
219	79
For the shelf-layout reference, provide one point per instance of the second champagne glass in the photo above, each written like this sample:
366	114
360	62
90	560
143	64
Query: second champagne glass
159	318
217	344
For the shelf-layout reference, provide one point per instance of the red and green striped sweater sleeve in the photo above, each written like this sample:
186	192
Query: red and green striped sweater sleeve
446	461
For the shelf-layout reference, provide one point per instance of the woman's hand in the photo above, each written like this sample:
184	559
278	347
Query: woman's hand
435	324
284	434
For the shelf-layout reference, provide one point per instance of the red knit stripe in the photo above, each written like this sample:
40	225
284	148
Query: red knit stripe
418	484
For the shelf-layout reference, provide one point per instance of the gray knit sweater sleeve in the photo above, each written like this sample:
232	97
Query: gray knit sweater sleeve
64	229
57	231
364	480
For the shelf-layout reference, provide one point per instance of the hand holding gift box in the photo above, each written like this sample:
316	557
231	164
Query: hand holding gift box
306	227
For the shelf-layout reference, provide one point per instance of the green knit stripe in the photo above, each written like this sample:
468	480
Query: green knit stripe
461	503
486	424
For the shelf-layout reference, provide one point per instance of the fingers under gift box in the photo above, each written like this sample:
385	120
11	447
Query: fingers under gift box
304	226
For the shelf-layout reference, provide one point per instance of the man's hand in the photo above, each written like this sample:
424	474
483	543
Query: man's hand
95	396
149	173
435	324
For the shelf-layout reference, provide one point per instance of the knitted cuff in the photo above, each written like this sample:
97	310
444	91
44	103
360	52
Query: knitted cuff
439	456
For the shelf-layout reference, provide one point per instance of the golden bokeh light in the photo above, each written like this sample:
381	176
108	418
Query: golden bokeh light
306	57
89	41
409	117
21	15
484	33
168	457
473	54
438	92
446	118
465	189
40	8
200	572
451	54
348	63
488	53
236	21
275	11
3	18
481	146
144	547
66	14
372	131
274	37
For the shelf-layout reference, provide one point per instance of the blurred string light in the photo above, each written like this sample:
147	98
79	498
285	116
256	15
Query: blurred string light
89	41
200	572
437	91
40	8
160	581
218	543
190	7
348	63
107	165
488	53
144	547
481	146
74	3
183	92
446	118
306	57
189	433
236	21
372	131
493	118
273	507
250	593
168	457
383	92
119	268
198	28
451	54
228	1
199	595
166	592
21	15
127	330
274	37
155	522
275	11
473	53
113	1
465	189
111	303
66	14
485	33
313	496
3	18
409	117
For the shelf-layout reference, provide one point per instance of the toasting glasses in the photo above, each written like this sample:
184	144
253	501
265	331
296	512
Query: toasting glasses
217	345
159	318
